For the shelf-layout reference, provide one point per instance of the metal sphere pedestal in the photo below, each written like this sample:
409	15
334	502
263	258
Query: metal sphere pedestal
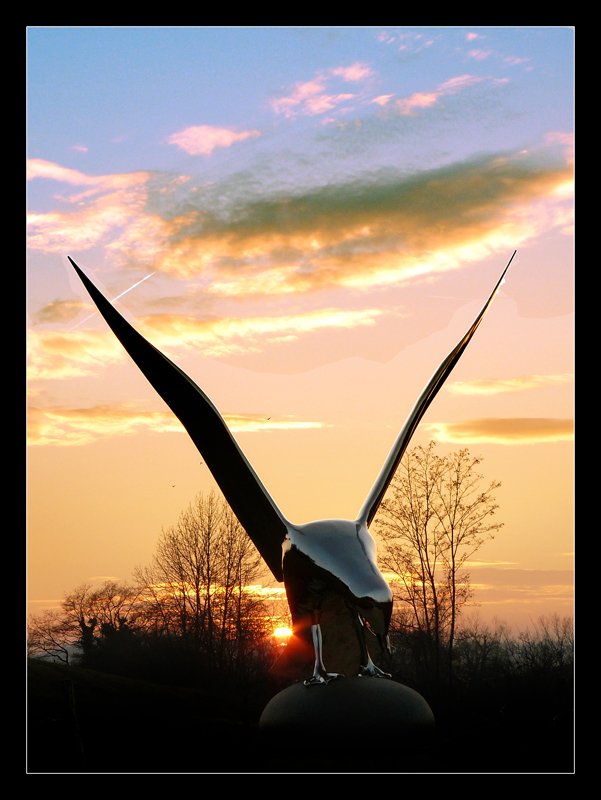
376	713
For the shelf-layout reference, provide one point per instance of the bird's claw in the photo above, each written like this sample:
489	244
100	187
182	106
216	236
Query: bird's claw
323	678
371	671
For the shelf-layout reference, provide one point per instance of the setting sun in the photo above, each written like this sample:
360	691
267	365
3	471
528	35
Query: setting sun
282	635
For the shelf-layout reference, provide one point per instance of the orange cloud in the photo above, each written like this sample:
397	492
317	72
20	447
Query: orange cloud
61	355
229	335
370	233
501	385
61	311
374	235
86	227
248	423
512	430
79	426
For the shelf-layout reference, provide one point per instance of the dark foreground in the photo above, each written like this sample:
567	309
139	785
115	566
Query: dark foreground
82	721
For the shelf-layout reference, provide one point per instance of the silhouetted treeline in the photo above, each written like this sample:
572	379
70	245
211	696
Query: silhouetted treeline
192	622
509	707
501	688
504	697
191	613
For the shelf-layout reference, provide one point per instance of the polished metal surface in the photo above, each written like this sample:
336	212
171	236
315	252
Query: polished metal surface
376	495
317	560
336	556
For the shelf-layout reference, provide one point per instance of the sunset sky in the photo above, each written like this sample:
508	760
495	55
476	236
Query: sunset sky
306	220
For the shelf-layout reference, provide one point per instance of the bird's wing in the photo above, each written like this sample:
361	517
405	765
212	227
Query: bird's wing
251	503
376	495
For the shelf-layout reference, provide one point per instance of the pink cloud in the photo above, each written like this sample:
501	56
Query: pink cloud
417	100
457	83
312	97
426	99
38	168
308	98
356	72
479	55
514	60
382	99
203	139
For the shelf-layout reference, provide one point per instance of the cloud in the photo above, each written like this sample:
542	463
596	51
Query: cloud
496	430
203	139
61	311
375	230
515	60
479	55
419	100
565	140
68	426
502	385
109	204
80	426
61	355
511	585
385	37
313	97
226	335
407	41
507	590
382	99
356	72
308	98
251	423
38	168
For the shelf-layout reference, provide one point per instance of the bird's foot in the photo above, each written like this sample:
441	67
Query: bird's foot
324	678
371	671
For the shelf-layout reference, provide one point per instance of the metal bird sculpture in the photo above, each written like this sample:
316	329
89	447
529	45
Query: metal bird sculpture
318	561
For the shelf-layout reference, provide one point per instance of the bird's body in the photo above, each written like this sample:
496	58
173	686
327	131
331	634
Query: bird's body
336	557
319	561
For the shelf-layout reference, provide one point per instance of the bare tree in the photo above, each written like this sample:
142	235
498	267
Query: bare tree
435	517
50	636
481	650
196	587
98	612
86	616
199	591
548	646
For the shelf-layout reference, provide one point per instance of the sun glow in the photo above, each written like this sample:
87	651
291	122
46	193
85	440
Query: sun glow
281	635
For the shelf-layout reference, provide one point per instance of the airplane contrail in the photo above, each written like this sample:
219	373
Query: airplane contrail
113	300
